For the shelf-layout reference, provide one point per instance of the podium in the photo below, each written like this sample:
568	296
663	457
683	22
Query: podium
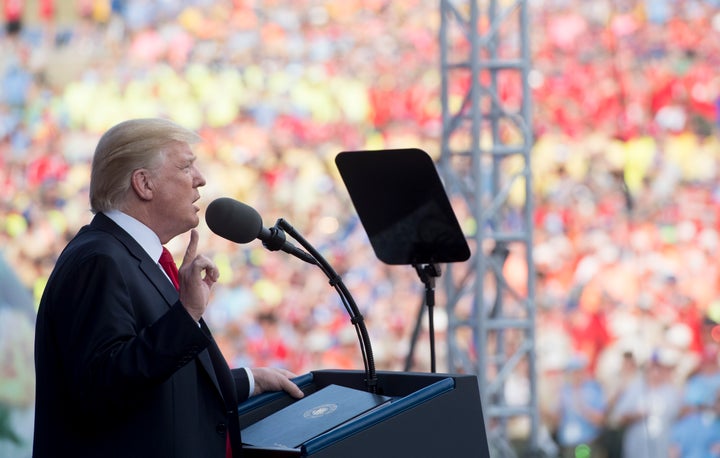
409	220
430	415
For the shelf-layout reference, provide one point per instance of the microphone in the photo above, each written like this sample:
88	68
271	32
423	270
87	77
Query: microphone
240	223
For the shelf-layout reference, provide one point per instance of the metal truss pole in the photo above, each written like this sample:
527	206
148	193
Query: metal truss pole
485	162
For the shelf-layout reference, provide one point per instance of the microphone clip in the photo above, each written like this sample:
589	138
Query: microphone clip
276	240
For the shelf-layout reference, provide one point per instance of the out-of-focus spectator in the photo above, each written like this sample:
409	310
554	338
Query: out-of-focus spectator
580	411
617	370
17	382
647	409
696	434
13	14
704	382
17	374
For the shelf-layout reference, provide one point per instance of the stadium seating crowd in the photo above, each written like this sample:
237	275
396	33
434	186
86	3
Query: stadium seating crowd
626	102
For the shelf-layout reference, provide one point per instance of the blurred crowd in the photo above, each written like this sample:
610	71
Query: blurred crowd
625	99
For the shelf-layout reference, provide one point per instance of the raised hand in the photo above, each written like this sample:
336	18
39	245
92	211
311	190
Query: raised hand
197	274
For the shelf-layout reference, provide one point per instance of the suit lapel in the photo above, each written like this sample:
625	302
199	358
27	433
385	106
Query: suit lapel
211	359
151	269
149	266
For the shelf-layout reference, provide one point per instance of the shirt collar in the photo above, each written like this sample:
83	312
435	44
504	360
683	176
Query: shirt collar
142	234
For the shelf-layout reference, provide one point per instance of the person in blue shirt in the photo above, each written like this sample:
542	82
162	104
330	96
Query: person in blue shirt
581	411
696	434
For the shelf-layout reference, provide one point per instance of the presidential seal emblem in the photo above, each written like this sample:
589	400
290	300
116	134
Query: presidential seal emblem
320	411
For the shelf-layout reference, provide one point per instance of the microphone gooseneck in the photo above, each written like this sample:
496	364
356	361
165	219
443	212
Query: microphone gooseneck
240	223
356	317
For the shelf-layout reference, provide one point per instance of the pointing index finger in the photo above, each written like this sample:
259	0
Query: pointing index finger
191	251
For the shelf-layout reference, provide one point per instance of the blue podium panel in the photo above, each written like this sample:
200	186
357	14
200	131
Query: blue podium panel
428	415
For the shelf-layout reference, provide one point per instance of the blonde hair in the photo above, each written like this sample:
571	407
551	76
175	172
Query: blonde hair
124	148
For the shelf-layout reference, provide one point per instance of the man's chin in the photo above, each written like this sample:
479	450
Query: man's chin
191	223
194	222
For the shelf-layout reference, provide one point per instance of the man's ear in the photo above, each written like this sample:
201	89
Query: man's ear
142	184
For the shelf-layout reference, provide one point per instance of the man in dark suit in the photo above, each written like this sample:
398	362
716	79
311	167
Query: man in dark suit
125	365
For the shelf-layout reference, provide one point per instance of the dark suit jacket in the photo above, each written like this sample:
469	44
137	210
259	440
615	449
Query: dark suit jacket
122	369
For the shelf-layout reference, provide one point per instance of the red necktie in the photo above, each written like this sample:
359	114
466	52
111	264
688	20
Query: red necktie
168	264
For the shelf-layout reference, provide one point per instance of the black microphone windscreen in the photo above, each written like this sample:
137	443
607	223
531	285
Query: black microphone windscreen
233	220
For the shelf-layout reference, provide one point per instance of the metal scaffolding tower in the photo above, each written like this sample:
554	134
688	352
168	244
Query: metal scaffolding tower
485	163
